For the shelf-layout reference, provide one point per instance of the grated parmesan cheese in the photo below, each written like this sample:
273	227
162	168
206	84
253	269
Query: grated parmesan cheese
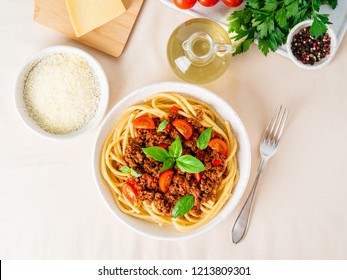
61	93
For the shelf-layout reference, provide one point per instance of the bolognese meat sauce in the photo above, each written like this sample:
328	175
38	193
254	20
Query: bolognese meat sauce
202	185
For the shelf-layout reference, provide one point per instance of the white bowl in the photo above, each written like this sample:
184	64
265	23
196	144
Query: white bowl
318	65
99	73
226	112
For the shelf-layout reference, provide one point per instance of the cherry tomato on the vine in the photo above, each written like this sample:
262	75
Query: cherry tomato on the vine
130	192
144	122
185	4
208	3
233	3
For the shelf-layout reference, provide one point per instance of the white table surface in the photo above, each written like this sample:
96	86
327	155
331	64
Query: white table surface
49	205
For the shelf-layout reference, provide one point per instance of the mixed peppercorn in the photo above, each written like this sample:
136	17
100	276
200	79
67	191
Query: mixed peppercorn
308	49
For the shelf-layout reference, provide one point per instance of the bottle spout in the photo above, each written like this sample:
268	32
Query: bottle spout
199	48
223	49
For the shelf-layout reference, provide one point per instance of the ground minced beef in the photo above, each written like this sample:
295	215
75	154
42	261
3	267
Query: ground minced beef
182	183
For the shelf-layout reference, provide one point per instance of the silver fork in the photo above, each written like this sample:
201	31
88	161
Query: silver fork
268	147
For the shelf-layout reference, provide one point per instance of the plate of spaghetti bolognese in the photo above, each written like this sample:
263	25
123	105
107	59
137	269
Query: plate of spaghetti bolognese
171	160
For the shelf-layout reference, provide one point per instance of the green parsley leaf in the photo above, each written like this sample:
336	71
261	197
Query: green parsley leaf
324	18
266	27
255	4
316	4
288	2
281	17
235	21
318	27
264	46
162	125
270	21
332	3
204	138
190	164
270	5
241	35
277	38
156	153
238	19
293	9
243	46
183	206
175	149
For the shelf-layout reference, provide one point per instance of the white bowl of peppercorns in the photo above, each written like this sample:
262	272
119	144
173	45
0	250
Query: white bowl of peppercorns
308	52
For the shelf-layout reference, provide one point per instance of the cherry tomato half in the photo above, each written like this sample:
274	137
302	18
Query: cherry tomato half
208	3
144	122
219	145
165	180
185	4
233	3
183	127
197	176
129	192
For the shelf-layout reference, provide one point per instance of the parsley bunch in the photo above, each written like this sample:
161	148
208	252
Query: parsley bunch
270	21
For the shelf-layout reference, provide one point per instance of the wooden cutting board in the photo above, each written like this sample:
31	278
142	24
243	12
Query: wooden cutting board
110	38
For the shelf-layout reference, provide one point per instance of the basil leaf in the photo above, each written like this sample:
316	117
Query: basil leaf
134	173
175	149
183	206
156	153
168	164
162	125
204	138
190	164
124	169
127	169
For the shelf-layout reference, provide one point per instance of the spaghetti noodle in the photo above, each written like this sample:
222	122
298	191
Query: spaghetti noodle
158	106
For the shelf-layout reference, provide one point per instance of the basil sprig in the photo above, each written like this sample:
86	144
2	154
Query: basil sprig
204	138
127	169
186	163
162	125
183	206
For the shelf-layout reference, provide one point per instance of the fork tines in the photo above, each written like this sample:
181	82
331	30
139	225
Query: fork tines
275	126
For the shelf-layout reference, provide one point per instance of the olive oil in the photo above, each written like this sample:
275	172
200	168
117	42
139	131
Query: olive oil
199	51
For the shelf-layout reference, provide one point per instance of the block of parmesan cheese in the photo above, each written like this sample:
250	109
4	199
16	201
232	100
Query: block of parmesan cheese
86	15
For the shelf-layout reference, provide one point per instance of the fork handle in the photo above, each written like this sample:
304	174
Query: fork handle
241	224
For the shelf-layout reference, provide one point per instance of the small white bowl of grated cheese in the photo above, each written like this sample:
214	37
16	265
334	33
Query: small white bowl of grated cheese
62	92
